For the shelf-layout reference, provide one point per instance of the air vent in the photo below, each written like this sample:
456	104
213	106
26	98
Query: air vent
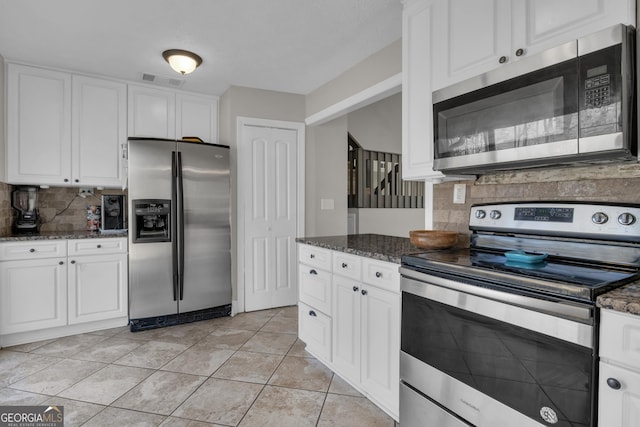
161	80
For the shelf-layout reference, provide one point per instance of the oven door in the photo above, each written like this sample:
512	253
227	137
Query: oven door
485	357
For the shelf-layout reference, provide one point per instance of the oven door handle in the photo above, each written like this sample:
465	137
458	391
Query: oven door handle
565	320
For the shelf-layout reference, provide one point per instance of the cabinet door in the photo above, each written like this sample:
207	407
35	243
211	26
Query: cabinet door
315	287
417	114
470	37
33	294
346	327
97	287
99	131
314	328
197	116
38	126
543	24
618	407
152	112
380	343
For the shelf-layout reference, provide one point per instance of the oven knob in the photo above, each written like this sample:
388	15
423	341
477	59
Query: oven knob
626	218
599	218
495	214
480	214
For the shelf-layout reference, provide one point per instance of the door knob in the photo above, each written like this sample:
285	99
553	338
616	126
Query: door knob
614	383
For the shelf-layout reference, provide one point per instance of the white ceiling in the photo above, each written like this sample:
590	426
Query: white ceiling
283	45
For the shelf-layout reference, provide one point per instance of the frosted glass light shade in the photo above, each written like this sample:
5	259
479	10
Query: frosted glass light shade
182	61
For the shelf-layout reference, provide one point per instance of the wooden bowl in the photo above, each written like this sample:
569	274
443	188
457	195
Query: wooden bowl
433	239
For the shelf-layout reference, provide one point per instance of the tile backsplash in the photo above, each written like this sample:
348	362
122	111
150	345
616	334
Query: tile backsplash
607	183
61	208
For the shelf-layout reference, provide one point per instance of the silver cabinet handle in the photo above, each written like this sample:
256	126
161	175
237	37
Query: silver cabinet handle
312	313
313	272
32	250
99	246
312	256
355	289
502	59
364	292
60	262
520	52
344	265
73	262
614	383
378	274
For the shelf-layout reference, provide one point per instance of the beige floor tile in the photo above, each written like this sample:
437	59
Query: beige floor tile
350	411
9	396
282	324
189	333
284	407
76	413
60	376
340	386
152	354
219	401
68	346
115	417
302	373
298	349
160	393
181	422
198	361
109	350
252	321
110	332
225	338
250	367
269	342
289	311
30	346
106	385
16	365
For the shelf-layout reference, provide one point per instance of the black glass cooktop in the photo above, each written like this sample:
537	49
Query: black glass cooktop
551	275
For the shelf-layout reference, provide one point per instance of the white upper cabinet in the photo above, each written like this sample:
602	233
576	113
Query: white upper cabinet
38	126
64	129
197	116
475	36
99	114
152	112
159	113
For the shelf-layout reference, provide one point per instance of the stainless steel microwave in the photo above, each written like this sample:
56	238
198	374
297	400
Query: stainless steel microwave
571	104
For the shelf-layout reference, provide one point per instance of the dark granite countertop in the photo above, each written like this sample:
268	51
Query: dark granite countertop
53	235
376	246
625	299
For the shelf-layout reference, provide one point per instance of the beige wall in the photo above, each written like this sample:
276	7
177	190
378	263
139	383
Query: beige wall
255	103
378	67
378	127
392	222
612	183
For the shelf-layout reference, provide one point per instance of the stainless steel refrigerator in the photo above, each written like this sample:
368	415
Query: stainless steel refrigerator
179	232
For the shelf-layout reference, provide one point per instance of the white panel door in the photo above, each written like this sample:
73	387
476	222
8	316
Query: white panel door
268	163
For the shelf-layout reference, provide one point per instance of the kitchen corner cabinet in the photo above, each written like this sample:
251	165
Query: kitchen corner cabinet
619	376
473	37
53	288
162	113
349	318
64	129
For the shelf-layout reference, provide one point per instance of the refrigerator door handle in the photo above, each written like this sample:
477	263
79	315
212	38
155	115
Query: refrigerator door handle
181	228
174	219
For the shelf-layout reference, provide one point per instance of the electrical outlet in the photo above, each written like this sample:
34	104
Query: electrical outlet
85	191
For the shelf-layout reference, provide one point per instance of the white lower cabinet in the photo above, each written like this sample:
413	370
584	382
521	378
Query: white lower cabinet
619	373
53	288
358	336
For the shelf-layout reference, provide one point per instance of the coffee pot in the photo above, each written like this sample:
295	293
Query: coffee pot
25	201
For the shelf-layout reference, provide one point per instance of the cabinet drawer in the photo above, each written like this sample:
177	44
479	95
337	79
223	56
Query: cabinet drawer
620	338
314	256
314	328
10	251
315	287
382	274
97	246
347	265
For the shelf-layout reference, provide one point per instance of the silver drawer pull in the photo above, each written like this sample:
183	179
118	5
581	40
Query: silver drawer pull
378	274
312	313
313	272
344	265
32	250
312	256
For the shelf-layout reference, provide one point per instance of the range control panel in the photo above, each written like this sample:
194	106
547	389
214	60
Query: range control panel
617	222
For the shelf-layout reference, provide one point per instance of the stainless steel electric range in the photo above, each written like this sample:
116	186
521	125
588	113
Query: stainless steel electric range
505	333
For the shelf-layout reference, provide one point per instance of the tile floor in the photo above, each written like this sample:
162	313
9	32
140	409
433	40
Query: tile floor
249	370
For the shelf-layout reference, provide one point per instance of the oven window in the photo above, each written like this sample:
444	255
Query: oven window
537	108
520	368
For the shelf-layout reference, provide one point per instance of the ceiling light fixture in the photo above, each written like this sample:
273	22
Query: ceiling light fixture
184	62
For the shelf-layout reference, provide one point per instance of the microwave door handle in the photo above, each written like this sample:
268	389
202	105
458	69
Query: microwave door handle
174	235
180	227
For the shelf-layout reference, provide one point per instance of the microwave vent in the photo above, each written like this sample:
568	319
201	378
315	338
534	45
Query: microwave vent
161	80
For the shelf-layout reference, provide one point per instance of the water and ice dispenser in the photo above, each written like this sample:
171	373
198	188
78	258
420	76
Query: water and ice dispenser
151	220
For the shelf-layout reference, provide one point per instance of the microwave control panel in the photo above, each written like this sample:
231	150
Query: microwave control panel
597	91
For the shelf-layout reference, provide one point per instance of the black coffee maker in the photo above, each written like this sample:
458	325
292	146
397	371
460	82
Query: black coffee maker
25	201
